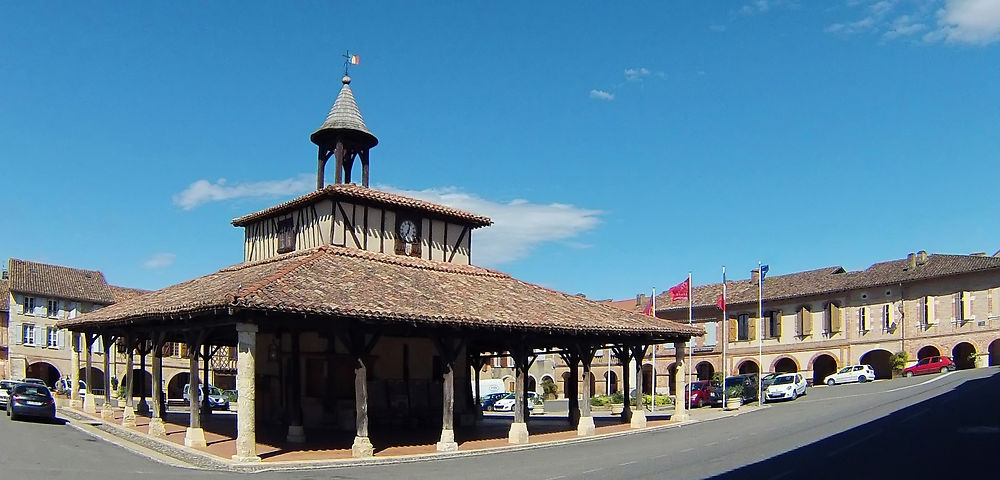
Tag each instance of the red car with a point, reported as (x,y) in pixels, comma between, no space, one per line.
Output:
(930,365)
(699,393)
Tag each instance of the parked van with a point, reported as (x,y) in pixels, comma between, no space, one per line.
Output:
(488,386)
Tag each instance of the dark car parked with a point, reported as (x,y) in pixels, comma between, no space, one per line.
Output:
(487,401)
(749,383)
(30,400)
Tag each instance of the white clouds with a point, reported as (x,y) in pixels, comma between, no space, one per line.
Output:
(636,74)
(159,260)
(519,225)
(975,22)
(763,6)
(202,191)
(602,95)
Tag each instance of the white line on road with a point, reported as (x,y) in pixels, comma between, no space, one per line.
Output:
(939,377)
(591,471)
(710,444)
(556,478)
(687,450)
(626,463)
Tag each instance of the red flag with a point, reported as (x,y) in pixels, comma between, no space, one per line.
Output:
(649,308)
(680,291)
(721,303)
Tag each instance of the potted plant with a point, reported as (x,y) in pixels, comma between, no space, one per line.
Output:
(897,363)
(539,408)
(734,397)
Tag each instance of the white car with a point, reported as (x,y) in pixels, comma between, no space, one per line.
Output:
(851,373)
(786,386)
(506,404)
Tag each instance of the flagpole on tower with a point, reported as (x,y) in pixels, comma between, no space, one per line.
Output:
(690,323)
(725,338)
(350,60)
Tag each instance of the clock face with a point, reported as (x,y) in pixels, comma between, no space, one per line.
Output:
(408,231)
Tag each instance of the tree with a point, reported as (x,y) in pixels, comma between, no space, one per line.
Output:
(898,362)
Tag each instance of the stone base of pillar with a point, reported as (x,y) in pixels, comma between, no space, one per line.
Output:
(107,412)
(195,437)
(362,447)
(296,434)
(680,417)
(242,459)
(638,420)
(518,434)
(157,428)
(89,406)
(74,403)
(447,443)
(142,408)
(586,427)
(128,417)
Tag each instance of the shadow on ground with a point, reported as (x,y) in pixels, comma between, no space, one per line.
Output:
(956,434)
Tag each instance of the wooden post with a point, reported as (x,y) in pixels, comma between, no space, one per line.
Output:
(322,156)
(338,157)
(359,346)
(624,359)
(638,419)
(680,413)
(128,416)
(519,428)
(585,427)
(206,404)
(142,408)
(89,402)
(246,408)
(156,425)
(296,432)
(74,378)
(448,350)
(107,412)
(195,435)
(364,167)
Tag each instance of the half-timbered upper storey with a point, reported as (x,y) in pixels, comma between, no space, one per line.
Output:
(353,216)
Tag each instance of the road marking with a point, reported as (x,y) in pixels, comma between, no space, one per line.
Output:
(626,463)
(732,438)
(939,377)
(556,478)
(665,454)
(710,444)
(591,471)
(853,444)
(687,450)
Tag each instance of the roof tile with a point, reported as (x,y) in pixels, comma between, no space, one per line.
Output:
(57,281)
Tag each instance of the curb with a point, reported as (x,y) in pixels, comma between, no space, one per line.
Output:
(172,454)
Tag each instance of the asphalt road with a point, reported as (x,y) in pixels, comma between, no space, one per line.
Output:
(922,427)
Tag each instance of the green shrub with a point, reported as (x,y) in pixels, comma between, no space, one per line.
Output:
(734,391)
(617,397)
(599,401)
(898,361)
(549,388)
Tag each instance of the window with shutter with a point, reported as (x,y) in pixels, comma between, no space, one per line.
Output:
(776,329)
(930,317)
(742,327)
(733,330)
(711,334)
(833,318)
(804,322)
(752,329)
(16,329)
(862,319)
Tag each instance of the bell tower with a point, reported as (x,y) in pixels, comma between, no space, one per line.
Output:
(345,137)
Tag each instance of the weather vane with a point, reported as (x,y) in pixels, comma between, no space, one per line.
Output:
(350,60)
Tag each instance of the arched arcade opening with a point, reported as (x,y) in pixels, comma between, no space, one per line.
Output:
(786,365)
(822,366)
(175,387)
(964,355)
(881,362)
(647,379)
(749,366)
(43,371)
(927,351)
(994,352)
(704,370)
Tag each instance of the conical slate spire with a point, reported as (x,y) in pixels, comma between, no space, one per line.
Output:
(345,120)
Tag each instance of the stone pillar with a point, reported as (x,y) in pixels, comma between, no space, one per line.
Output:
(296,432)
(195,435)
(478,367)
(89,402)
(362,446)
(156,425)
(107,412)
(572,394)
(206,357)
(447,443)
(638,419)
(246,384)
(680,413)
(74,378)
(128,416)
(519,428)
(586,426)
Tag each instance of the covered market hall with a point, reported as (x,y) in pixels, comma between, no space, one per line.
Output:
(355,306)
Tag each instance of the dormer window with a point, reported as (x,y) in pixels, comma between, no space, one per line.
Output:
(286,235)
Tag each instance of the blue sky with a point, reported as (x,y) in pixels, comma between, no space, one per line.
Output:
(617,147)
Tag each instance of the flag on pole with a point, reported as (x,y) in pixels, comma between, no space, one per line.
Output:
(763,272)
(680,291)
(721,303)
(649,308)
(355,59)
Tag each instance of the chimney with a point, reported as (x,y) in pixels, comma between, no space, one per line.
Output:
(921,257)
(754,276)
(912,260)
(640,300)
